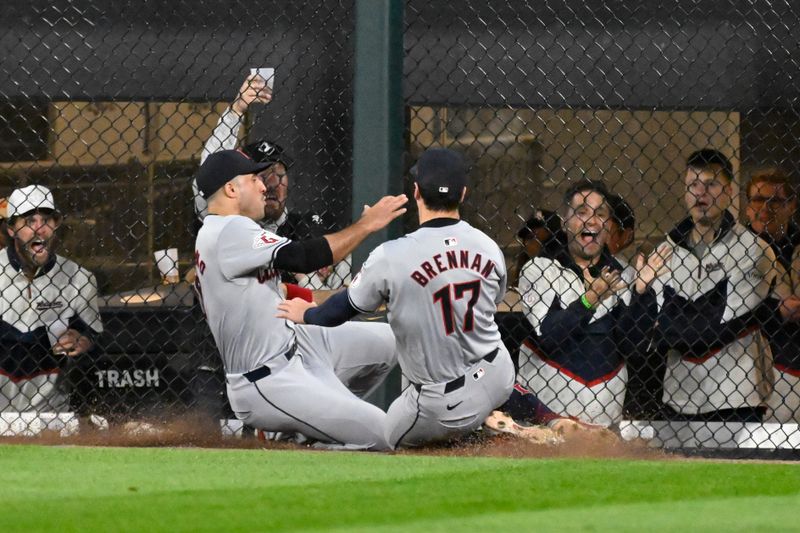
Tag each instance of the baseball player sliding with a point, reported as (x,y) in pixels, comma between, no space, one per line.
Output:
(280,377)
(441,285)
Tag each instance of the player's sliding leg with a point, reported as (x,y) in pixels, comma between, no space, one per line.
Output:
(362,353)
(295,399)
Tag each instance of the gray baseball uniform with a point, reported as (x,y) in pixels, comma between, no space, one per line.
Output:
(441,285)
(282,377)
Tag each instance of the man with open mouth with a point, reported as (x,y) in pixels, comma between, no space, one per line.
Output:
(572,373)
(48,306)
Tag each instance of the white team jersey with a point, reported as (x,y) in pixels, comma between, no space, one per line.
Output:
(33,314)
(784,402)
(66,291)
(240,291)
(732,376)
(441,286)
(592,388)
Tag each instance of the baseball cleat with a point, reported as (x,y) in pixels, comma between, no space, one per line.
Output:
(499,422)
(567,427)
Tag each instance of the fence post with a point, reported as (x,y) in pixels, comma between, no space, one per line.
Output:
(378,128)
(377,110)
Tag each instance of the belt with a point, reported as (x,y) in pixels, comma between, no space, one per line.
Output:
(264,371)
(457,383)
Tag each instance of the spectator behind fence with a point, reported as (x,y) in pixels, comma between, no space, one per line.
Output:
(771,206)
(540,235)
(621,225)
(572,365)
(328,278)
(712,303)
(48,304)
(277,217)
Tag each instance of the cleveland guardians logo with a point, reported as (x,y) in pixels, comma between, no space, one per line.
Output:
(264,239)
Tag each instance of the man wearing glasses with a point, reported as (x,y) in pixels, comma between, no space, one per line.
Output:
(771,206)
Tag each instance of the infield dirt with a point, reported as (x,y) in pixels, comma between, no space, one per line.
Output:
(191,433)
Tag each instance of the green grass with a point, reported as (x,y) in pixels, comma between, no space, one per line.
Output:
(157,489)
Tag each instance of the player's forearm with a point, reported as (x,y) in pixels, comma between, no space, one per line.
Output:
(336,310)
(345,241)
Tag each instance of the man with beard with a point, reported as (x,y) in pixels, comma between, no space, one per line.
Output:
(771,206)
(48,306)
(723,286)
(572,371)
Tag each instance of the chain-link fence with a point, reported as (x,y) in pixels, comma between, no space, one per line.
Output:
(673,106)
(544,95)
(111,107)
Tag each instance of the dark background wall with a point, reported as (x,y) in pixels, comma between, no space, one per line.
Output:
(198,51)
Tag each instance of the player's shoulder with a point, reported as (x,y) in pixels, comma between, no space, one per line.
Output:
(231,226)
(231,221)
(478,234)
(387,249)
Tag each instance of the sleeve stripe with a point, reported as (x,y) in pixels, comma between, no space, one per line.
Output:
(276,248)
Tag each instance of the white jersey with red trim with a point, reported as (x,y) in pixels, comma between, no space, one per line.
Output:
(571,363)
(728,280)
(33,314)
(598,401)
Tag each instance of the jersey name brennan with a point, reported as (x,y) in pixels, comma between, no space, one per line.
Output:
(463,259)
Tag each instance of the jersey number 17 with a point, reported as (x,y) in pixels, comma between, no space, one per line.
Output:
(457,291)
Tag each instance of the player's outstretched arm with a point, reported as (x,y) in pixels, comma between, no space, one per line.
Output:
(373,219)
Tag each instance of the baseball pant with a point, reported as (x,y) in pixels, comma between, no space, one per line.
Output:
(362,353)
(441,411)
(304,395)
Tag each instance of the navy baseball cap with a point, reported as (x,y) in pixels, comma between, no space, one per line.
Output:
(268,152)
(442,171)
(221,167)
